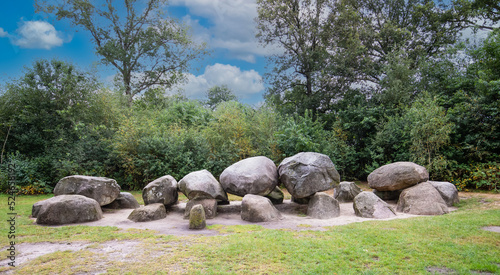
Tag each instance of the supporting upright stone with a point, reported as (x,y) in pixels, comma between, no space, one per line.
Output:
(197,217)
(209,206)
(346,191)
(323,206)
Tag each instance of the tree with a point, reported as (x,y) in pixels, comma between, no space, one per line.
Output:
(219,94)
(482,14)
(299,78)
(430,131)
(378,29)
(330,47)
(147,48)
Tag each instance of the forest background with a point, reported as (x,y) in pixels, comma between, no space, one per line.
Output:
(365,82)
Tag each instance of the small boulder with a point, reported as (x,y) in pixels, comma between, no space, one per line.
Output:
(66,209)
(448,191)
(307,173)
(209,206)
(203,185)
(397,176)
(197,217)
(124,201)
(162,190)
(388,195)
(276,196)
(422,199)
(346,191)
(150,212)
(256,208)
(103,190)
(323,206)
(368,205)
(256,175)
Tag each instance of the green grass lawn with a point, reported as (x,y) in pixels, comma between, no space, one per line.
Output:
(452,242)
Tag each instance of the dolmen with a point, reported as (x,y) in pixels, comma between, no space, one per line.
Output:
(202,188)
(409,184)
(77,199)
(157,195)
(305,175)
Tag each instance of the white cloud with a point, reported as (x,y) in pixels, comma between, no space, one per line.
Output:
(37,35)
(3,33)
(232,26)
(242,83)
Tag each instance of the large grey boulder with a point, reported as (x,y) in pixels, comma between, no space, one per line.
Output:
(162,190)
(202,185)
(124,201)
(209,207)
(256,208)
(422,199)
(448,191)
(397,176)
(276,196)
(65,209)
(323,206)
(256,175)
(368,205)
(346,191)
(197,217)
(103,190)
(307,173)
(150,212)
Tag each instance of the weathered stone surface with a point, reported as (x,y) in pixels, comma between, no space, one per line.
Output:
(197,217)
(346,191)
(124,201)
(209,206)
(323,206)
(276,196)
(65,209)
(397,176)
(422,199)
(388,195)
(448,191)
(162,190)
(256,208)
(307,173)
(203,185)
(256,175)
(368,205)
(103,190)
(150,212)
(36,208)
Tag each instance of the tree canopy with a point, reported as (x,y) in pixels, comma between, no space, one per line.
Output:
(147,47)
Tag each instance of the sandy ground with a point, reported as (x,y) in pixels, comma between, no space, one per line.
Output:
(294,217)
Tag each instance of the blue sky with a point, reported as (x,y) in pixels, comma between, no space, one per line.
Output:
(227,26)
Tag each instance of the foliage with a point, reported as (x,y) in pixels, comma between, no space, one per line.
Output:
(219,94)
(146,47)
(476,176)
(300,76)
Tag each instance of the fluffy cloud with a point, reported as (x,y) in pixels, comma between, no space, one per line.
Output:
(37,35)
(3,33)
(242,83)
(232,26)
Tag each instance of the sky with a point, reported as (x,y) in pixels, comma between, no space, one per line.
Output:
(227,26)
